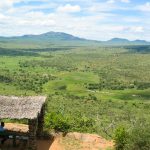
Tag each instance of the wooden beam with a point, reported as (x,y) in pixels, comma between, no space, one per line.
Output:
(41,122)
(32,143)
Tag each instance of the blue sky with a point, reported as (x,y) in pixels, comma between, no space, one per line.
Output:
(91,19)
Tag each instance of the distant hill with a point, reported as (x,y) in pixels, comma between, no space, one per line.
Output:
(60,36)
(50,39)
(117,41)
(120,41)
(49,36)
(46,40)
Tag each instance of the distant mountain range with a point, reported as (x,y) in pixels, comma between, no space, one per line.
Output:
(127,42)
(49,36)
(64,38)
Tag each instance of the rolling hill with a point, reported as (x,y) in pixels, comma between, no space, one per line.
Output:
(50,39)
(120,41)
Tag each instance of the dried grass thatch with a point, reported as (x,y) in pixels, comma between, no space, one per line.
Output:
(21,107)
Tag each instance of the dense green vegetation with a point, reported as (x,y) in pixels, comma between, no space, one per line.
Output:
(103,90)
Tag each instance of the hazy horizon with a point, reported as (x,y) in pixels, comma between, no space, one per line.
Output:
(75,36)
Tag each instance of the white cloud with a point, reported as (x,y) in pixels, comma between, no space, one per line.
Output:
(40,19)
(125,29)
(2,16)
(111,1)
(6,4)
(145,7)
(131,19)
(69,8)
(137,29)
(125,1)
(27,8)
(100,20)
(101,7)
(114,1)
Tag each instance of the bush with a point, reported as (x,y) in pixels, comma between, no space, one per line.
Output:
(57,122)
(84,124)
(139,137)
(63,87)
(120,138)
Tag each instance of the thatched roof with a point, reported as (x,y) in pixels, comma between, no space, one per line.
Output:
(20,107)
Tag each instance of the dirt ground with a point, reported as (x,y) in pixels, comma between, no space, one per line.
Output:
(80,141)
(71,141)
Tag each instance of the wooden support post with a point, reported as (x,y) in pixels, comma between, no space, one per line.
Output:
(41,122)
(14,140)
(32,144)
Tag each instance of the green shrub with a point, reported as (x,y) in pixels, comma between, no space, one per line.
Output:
(84,124)
(57,122)
(139,137)
(120,138)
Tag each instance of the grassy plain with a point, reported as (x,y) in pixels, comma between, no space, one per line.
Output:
(89,89)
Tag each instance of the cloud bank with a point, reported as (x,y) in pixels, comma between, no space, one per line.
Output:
(93,19)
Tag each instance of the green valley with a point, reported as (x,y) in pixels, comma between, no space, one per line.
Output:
(94,89)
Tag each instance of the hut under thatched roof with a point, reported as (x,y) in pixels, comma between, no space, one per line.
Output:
(31,108)
(20,107)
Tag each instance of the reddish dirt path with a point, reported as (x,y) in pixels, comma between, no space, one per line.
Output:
(56,145)
(79,141)
(71,141)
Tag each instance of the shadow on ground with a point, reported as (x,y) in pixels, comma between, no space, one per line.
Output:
(22,145)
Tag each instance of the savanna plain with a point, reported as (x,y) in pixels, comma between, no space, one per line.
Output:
(92,89)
